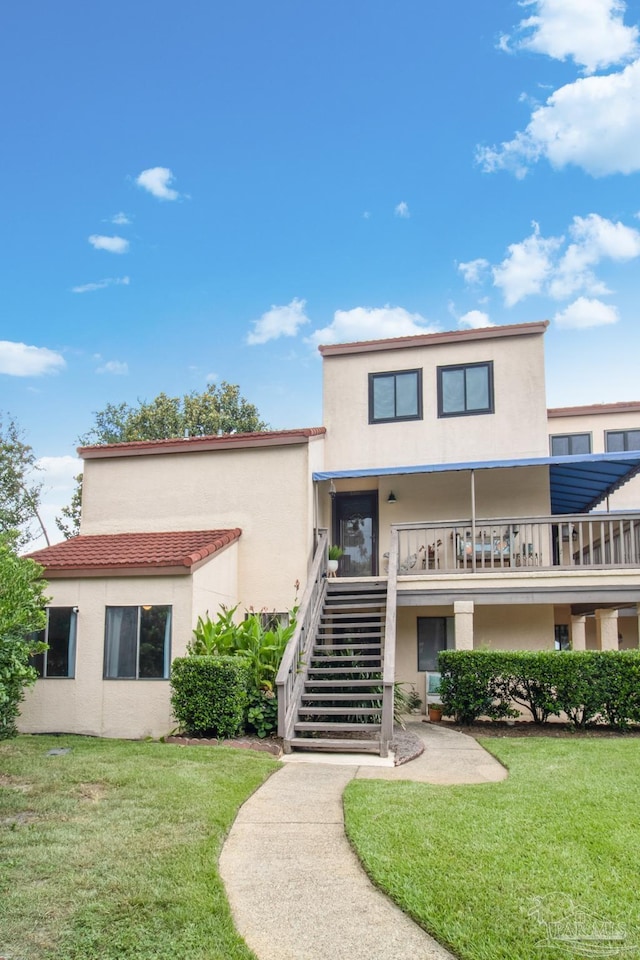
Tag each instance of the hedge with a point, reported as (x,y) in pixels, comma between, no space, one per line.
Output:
(209,694)
(588,686)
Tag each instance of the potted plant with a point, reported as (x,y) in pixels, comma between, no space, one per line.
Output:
(414,701)
(435,712)
(335,552)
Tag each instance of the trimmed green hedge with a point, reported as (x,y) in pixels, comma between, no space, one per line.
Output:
(589,686)
(209,694)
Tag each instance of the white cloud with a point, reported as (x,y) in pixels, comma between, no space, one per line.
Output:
(101,284)
(284,321)
(594,239)
(115,367)
(366,215)
(156,181)
(527,267)
(121,219)
(21,360)
(110,244)
(475,319)
(371,323)
(473,270)
(402,210)
(584,313)
(590,32)
(211,377)
(592,123)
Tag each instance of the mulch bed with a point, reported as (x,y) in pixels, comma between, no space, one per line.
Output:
(272,745)
(497,728)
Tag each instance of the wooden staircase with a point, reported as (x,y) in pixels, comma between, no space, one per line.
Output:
(340,706)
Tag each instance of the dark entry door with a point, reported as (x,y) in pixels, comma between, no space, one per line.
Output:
(355,529)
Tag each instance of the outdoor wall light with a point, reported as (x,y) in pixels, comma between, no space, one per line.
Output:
(332,490)
(392,497)
(147,606)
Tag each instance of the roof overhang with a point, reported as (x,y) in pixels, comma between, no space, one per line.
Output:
(577,484)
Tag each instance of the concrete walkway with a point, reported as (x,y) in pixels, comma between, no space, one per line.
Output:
(297,890)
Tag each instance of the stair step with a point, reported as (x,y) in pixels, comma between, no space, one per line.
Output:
(358,645)
(332,613)
(337,671)
(342,746)
(375,596)
(355,604)
(357,636)
(343,683)
(344,658)
(350,697)
(310,726)
(345,711)
(349,583)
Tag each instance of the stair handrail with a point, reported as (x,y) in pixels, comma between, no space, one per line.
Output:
(389,659)
(295,661)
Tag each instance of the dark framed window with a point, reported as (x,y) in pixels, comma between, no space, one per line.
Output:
(434,634)
(396,395)
(59,660)
(465,389)
(619,440)
(137,643)
(561,639)
(570,444)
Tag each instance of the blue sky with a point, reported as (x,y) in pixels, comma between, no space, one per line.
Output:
(208,191)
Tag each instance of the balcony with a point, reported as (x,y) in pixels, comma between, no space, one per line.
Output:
(510,545)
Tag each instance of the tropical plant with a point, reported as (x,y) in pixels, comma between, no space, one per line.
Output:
(335,552)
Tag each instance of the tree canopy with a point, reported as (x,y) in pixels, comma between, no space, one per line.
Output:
(19,491)
(218,409)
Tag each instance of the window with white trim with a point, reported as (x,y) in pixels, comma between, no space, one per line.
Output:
(59,659)
(395,395)
(137,644)
(465,389)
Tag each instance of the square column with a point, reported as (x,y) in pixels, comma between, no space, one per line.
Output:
(607,629)
(463,624)
(578,633)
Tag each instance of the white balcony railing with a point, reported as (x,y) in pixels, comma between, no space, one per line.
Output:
(602,540)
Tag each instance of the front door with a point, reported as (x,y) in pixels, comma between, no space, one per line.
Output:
(355,529)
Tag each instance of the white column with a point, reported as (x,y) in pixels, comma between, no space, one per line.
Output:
(463,620)
(578,633)
(607,629)
(638,613)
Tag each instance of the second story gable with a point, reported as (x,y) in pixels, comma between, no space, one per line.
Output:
(436,398)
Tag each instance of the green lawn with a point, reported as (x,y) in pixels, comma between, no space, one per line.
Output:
(473,864)
(111,850)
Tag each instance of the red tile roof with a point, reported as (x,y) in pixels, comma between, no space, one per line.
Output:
(227,441)
(431,339)
(177,551)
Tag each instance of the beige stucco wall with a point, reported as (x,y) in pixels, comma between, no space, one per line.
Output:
(516,429)
(131,709)
(266,491)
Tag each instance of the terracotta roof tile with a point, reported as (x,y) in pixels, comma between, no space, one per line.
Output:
(133,551)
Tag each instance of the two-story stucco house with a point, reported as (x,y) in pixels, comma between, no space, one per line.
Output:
(465,510)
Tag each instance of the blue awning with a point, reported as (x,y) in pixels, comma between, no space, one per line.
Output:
(577,484)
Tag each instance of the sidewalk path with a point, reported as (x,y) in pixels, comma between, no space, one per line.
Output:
(297,890)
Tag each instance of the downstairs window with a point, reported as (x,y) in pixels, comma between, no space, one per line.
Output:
(137,643)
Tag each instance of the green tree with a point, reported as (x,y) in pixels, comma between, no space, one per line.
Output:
(22,612)
(19,491)
(218,409)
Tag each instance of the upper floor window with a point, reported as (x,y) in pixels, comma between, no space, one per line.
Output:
(137,643)
(395,396)
(465,389)
(619,440)
(570,444)
(59,659)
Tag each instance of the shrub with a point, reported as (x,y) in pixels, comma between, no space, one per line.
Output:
(209,694)
(22,613)
(587,686)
